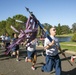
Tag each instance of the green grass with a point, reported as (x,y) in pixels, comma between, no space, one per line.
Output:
(68,45)
(73,43)
(70,48)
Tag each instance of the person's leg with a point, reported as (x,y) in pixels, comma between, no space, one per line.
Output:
(34,56)
(48,66)
(57,65)
(13,53)
(28,58)
(34,59)
(6,47)
(31,56)
(2,44)
(7,44)
(17,55)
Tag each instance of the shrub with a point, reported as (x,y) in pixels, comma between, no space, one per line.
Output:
(74,37)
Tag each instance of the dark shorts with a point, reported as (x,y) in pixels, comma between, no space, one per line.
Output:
(15,48)
(7,44)
(30,54)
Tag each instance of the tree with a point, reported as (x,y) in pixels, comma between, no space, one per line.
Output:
(21,18)
(2,27)
(17,25)
(9,22)
(65,29)
(47,26)
(74,27)
(58,29)
(5,25)
(74,37)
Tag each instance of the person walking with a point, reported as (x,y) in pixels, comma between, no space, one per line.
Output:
(7,42)
(15,49)
(31,53)
(3,40)
(52,58)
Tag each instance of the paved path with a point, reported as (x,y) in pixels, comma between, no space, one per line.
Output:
(9,66)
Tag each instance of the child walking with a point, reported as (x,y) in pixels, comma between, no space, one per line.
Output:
(15,49)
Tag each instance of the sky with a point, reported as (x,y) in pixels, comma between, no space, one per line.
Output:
(52,12)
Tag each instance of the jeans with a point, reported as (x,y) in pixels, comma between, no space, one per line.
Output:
(52,62)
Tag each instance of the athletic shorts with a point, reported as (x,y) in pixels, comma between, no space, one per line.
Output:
(30,54)
(15,48)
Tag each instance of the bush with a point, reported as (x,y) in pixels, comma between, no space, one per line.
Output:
(74,37)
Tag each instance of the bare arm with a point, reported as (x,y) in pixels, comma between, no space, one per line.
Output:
(49,45)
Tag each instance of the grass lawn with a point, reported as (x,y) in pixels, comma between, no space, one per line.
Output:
(71,46)
(68,45)
(73,43)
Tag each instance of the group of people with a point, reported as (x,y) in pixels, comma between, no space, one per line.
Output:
(6,41)
(52,59)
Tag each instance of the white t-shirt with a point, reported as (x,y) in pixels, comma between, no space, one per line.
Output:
(53,49)
(32,47)
(3,37)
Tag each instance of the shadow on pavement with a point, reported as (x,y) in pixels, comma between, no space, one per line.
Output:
(71,72)
(67,58)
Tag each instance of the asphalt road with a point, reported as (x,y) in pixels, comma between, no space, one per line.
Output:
(9,65)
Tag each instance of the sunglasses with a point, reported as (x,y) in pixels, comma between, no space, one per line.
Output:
(54,29)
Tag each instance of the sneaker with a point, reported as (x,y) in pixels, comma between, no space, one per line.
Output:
(33,68)
(17,59)
(72,59)
(42,70)
(26,59)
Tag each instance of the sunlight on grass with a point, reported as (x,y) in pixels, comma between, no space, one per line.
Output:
(73,43)
(70,48)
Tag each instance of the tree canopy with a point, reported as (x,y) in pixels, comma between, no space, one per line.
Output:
(5,26)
